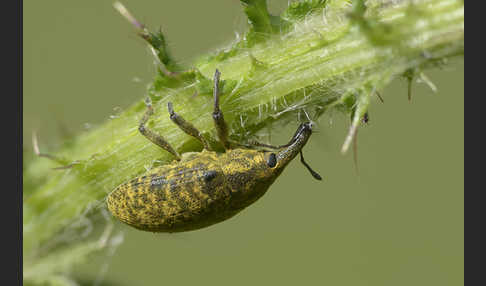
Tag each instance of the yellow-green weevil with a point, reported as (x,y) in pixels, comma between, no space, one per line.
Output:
(202,188)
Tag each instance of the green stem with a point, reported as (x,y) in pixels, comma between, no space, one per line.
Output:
(317,61)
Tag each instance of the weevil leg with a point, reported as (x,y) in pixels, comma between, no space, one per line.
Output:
(218,118)
(252,144)
(187,127)
(152,136)
(258,144)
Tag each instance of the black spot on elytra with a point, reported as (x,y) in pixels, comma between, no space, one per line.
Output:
(212,183)
(209,176)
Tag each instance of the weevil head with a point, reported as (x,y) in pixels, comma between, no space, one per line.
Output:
(278,160)
(267,165)
(249,173)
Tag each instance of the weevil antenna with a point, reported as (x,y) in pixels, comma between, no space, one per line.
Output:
(313,173)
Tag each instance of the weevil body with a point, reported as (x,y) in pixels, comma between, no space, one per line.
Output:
(204,188)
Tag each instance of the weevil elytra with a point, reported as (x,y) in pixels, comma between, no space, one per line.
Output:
(200,189)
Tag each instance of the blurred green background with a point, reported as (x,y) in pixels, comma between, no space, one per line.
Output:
(399,222)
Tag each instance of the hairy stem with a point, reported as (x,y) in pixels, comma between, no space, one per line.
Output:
(318,55)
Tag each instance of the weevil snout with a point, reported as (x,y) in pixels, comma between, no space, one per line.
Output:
(303,133)
(288,151)
(301,136)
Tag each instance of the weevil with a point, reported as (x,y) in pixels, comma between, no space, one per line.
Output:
(200,189)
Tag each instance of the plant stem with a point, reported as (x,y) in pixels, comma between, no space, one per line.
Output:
(334,57)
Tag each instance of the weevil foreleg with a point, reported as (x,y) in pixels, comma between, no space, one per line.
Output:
(218,118)
(254,143)
(187,127)
(152,136)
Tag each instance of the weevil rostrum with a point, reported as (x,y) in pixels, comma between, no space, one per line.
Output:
(200,189)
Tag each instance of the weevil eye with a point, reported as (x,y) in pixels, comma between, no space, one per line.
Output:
(272,160)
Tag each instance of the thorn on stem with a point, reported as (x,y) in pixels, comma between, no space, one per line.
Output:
(160,64)
(35,145)
(69,166)
(359,114)
(379,96)
(351,133)
(156,41)
(409,91)
(355,152)
(427,81)
(410,75)
(125,13)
